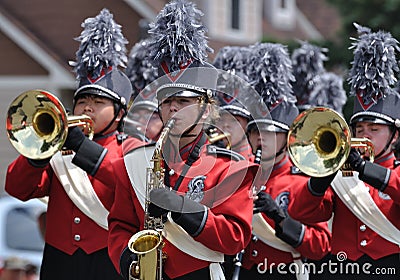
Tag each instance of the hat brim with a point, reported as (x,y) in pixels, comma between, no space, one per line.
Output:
(268,125)
(181,90)
(236,111)
(98,91)
(147,105)
(371,117)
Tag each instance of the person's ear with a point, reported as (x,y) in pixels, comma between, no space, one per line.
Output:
(120,115)
(206,113)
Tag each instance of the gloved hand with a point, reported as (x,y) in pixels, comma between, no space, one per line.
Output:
(126,260)
(355,160)
(290,231)
(287,229)
(89,154)
(319,185)
(74,139)
(267,205)
(189,214)
(373,174)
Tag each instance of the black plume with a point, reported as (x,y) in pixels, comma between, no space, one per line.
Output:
(232,59)
(178,35)
(308,61)
(102,45)
(270,72)
(328,92)
(374,67)
(140,70)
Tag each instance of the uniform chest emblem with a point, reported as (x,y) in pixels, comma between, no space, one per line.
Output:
(196,188)
(283,200)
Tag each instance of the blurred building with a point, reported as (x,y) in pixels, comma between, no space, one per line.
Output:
(37,37)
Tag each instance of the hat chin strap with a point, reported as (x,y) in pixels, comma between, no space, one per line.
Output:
(388,143)
(111,122)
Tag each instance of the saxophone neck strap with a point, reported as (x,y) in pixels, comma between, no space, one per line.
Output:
(193,156)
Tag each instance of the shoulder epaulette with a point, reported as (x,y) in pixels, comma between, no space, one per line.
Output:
(294,170)
(218,151)
(121,137)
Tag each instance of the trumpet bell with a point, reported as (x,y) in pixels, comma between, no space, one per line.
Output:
(319,141)
(37,124)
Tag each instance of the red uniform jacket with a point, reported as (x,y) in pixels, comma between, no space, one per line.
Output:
(67,227)
(246,151)
(228,225)
(349,234)
(316,240)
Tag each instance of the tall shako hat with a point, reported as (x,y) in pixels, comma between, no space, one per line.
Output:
(308,62)
(179,49)
(328,92)
(232,59)
(102,49)
(141,73)
(232,83)
(372,78)
(270,73)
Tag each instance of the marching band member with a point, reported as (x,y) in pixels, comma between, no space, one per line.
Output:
(231,87)
(308,64)
(278,239)
(203,183)
(327,92)
(361,239)
(143,117)
(78,203)
(233,92)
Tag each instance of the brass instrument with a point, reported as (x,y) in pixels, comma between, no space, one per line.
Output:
(319,142)
(147,244)
(37,124)
(214,135)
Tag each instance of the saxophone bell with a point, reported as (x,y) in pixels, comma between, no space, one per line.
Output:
(147,245)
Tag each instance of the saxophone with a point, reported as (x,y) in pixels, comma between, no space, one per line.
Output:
(147,244)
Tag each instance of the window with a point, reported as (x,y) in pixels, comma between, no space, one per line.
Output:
(281,13)
(235,15)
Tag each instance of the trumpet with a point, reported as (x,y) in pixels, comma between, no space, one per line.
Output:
(319,142)
(37,124)
(214,136)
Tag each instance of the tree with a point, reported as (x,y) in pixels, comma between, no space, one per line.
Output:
(375,14)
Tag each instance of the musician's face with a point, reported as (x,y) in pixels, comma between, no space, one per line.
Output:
(272,143)
(254,139)
(99,109)
(185,111)
(148,122)
(379,134)
(235,126)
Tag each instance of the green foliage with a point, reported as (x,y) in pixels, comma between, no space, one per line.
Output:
(376,14)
